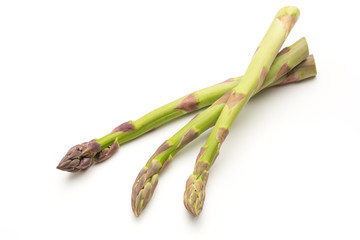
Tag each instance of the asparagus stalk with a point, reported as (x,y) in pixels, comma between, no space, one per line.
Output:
(83,156)
(252,81)
(147,178)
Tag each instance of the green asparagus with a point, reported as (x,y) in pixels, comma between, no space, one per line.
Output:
(252,81)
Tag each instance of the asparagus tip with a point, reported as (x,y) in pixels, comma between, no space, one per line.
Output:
(194,195)
(80,157)
(144,186)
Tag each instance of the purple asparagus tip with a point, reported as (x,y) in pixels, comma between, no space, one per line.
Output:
(80,157)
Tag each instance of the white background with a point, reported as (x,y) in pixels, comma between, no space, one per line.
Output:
(71,71)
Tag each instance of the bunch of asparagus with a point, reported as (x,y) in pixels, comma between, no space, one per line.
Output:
(224,101)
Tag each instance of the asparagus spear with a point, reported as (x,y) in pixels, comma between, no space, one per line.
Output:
(82,156)
(147,178)
(252,81)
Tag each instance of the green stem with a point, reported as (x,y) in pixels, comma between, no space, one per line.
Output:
(252,82)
